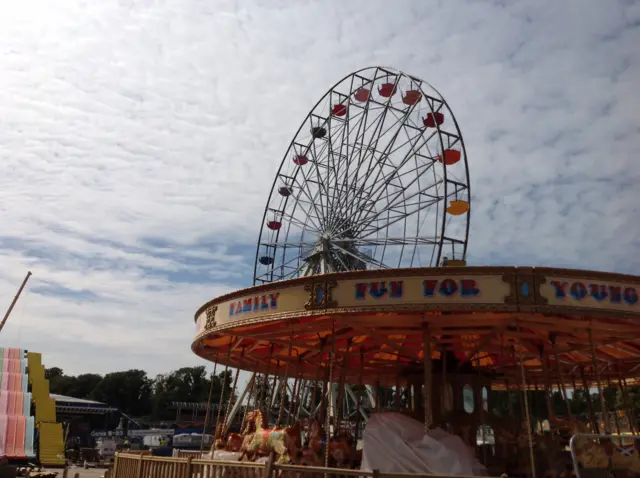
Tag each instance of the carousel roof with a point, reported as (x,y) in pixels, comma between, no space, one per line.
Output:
(559,324)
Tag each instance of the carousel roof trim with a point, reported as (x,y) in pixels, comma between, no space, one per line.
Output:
(489,318)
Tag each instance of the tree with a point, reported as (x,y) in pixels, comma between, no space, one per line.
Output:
(83,385)
(188,384)
(59,383)
(129,391)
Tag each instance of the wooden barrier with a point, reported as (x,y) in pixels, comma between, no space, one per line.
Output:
(177,453)
(128,465)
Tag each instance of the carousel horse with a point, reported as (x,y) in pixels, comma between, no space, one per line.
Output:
(231,442)
(341,452)
(312,452)
(285,443)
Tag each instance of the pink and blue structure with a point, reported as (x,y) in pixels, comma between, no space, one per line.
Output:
(16,422)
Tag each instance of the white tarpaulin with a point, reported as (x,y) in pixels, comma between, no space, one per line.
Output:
(395,443)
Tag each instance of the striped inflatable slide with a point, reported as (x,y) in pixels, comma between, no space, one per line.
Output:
(16,422)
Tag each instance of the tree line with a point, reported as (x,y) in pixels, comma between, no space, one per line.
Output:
(136,394)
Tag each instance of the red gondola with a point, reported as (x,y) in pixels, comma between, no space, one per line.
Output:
(412,97)
(300,160)
(362,95)
(387,90)
(432,119)
(274,225)
(451,156)
(339,110)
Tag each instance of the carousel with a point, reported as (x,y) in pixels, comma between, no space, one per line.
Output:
(371,344)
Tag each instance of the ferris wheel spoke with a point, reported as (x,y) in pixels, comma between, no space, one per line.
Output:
(331,153)
(406,158)
(363,215)
(401,216)
(302,225)
(365,151)
(371,170)
(347,157)
(288,244)
(394,168)
(306,189)
(396,241)
(306,209)
(362,257)
(376,194)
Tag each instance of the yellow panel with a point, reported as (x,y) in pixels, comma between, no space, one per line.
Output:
(51,444)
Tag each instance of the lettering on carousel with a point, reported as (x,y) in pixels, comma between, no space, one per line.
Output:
(599,292)
(259,303)
(393,289)
(465,288)
(449,287)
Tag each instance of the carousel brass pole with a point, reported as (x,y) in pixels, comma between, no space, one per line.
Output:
(283,393)
(427,395)
(275,391)
(563,391)
(574,398)
(603,405)
(592,417)
(482,415)
(294,394)
(535,405)
(322,416)
(526,408)
(253,392)
(224,383)
(615,414)
(446,396)
(300,396)
(515,359)
(396,392)
(314,397)
(340,399)
(509,401)
(627,401)
(225,425)
(328,417)
(206,416)
(360,393)
(265,382)
(548,386)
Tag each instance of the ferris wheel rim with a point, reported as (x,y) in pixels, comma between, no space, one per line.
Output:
(441,216)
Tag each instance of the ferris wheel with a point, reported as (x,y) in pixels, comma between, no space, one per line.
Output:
(376,177)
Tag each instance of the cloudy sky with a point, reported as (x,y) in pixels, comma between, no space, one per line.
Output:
(136,137)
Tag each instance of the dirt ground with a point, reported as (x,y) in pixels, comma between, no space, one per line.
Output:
(82,473)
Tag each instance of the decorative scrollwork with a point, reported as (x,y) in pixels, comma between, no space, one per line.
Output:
(320,295)
(211,317)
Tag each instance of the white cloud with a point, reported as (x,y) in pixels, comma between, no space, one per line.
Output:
(138,140)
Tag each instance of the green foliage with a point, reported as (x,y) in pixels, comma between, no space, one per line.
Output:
(134,393)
